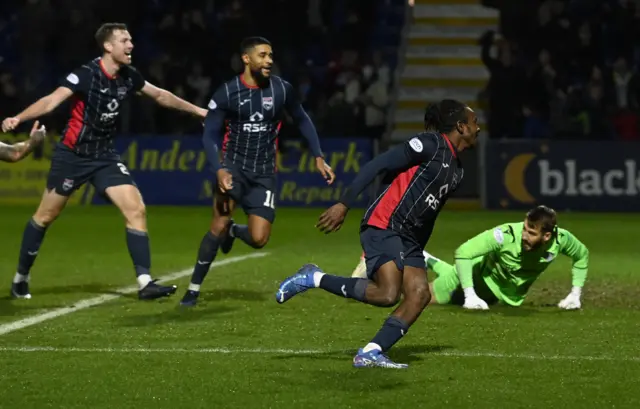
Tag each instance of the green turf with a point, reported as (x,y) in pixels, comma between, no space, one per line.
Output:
(240,349)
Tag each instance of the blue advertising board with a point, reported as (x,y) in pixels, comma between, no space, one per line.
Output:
(173,170)
(566,175)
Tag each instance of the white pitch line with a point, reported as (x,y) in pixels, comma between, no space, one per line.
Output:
(168,350)
(284,351)
(90,302)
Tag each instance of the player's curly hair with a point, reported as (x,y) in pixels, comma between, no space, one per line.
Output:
(444,116)
(248,43)
(545,217)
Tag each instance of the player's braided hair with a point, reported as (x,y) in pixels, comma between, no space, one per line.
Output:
(444,116)
(105,32)
(545,217)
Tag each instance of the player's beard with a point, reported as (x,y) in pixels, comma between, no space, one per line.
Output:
(261,80)
(532,246)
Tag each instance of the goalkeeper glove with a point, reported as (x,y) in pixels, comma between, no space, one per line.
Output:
(572,301)
(472,301)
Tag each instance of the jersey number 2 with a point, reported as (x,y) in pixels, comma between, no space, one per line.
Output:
(270,200)
(123,169)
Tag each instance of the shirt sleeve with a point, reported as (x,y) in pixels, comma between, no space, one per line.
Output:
(78,80)
(302,120)
(480,245)
(137,79)
(214,126)
(402,157)
(578,252)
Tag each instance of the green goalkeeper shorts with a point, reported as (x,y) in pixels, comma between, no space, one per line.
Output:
(447,288)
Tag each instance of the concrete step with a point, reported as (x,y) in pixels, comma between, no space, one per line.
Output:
(478,83)
(446,71)
(447,41)
(460,21)
(419,98)
(413,119)
(443,2)
(437,93)
(454,10)
(444,61)
(443,31)
(443,51)
(422,104)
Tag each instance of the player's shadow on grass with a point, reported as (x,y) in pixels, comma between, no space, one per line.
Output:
(89,288)
(532,309)
(222,294)
(496,310)
(400,353)
(178,314)
(10,307)
(515,311)
(348,380)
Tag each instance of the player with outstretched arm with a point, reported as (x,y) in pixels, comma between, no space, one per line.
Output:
(86,153)
(18,151)
(420,175)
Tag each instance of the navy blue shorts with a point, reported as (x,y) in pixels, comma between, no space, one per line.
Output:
(255,192)
(381,246)
(70,171)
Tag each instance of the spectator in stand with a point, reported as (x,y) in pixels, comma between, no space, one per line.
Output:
(580,62)
(504,88)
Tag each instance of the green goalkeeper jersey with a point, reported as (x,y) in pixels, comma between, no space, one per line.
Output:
(509,271)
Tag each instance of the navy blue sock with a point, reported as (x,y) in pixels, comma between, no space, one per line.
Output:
(392,330)
(241,231)
(31,241)
(139,250)
(345,286)
(206,254)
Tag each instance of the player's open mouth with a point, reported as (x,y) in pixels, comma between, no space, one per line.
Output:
(128,54)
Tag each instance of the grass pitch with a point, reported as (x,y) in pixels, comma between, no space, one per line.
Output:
(240,349)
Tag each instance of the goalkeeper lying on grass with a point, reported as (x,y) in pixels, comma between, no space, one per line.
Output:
(501,264)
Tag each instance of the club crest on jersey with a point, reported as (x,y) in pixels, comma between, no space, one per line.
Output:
(267,103)
(122,92)
(67,185)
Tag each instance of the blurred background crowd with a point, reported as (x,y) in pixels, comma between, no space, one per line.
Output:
(564,69)
(559,68)
(334,52)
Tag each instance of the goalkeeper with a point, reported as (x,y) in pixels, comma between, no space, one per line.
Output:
(501,264)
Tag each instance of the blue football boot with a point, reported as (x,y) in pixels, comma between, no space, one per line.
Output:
(297,283)
(375,358)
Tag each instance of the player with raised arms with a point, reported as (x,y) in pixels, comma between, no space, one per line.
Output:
(252,105)
(18,151)
(86,153)
(420,175)
(499,265)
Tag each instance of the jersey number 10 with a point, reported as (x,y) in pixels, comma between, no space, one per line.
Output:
(270,200)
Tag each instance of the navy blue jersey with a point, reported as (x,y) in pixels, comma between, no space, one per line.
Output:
(95,106)
(420,175)
(252,117)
